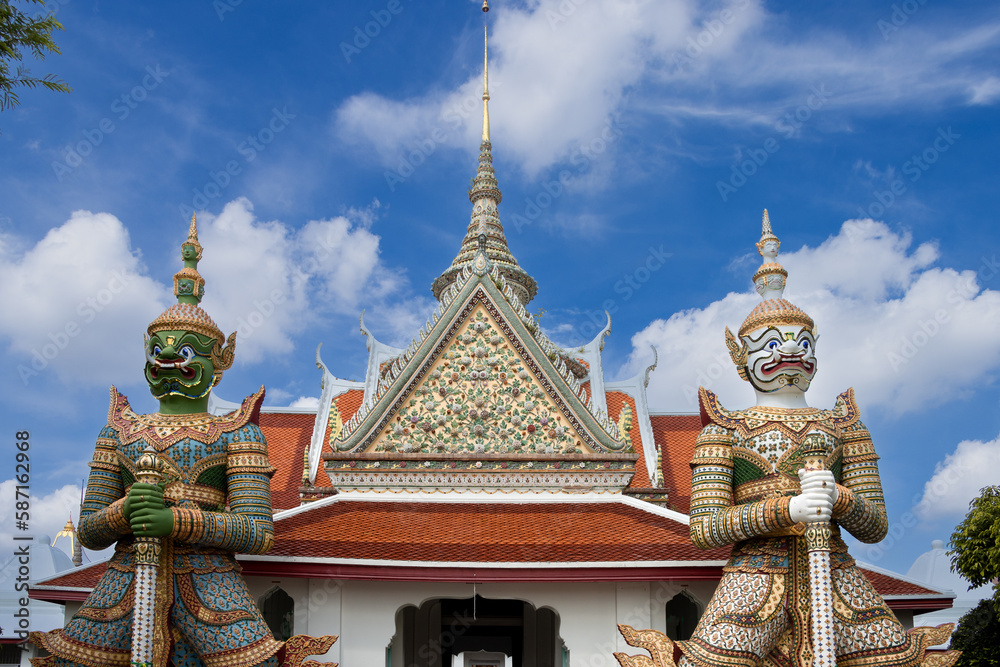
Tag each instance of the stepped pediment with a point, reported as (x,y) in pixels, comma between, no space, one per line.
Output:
(482,400)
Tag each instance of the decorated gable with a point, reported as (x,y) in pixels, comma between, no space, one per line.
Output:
(482,396)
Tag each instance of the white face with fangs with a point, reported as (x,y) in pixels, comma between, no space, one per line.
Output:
(781,359)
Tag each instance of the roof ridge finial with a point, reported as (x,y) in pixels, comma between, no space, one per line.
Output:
(486,78)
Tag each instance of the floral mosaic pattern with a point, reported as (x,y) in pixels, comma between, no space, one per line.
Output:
(480,397)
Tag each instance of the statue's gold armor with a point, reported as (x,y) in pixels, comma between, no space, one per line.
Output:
(217,481)
(744,476)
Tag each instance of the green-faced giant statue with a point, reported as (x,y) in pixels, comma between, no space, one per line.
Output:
(173,580)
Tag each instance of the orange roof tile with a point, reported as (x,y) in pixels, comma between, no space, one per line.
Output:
(86,576)
(886,584)
(287,437)
(347,404)
(674,435)
(530,533)
(615,400)
(519,532)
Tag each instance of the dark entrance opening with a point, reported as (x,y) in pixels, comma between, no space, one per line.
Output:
(278,610)
(682,616)
(433,633)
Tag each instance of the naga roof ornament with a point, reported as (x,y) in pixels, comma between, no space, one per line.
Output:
(485,197)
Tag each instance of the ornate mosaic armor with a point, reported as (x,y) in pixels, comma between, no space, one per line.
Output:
(744,476)
(211,463)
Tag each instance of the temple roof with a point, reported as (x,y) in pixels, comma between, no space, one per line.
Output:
(473,529)
(349,538)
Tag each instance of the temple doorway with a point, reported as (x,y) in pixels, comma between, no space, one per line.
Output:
(506,633)
(682,616)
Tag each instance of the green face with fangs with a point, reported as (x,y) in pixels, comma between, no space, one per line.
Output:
(179,363)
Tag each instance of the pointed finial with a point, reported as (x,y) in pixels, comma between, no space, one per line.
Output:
(486,78)
(485,197)
(69,532)
(770,277)
(766,234)
(305,466)
(192,238)
(189,286)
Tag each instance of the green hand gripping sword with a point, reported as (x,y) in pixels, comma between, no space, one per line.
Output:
(149,470)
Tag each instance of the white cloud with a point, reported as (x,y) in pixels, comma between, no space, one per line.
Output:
(83,297)
(986,92)
(269,281)
(81,290)
(592,53)
(48,515)
(958,479)
(561,72)
(310,402)
(903,333)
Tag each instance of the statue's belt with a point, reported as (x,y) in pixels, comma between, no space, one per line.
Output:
(797,530)
(771,486)
(202,494)
(199,493)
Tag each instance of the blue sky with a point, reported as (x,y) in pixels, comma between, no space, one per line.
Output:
(327,148)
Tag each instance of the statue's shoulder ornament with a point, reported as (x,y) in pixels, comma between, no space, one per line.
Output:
(162,431)
(845,413)
(795,422)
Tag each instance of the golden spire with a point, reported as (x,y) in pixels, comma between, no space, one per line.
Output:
(486,80)
(69,532)
(485,197)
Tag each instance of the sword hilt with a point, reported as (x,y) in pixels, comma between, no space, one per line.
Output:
(149,470)
(814,453)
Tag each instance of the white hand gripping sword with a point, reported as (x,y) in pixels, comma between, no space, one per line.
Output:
(818,536)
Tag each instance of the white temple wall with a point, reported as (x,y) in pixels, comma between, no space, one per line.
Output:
(587,614)
(363,613)
(317,605)
(369,619)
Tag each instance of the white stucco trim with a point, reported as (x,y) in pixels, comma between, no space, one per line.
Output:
(591,353)
(469,497)
(378,353)
(636,388)
(67,589)
(505,565)
(915,596)
(330,388)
